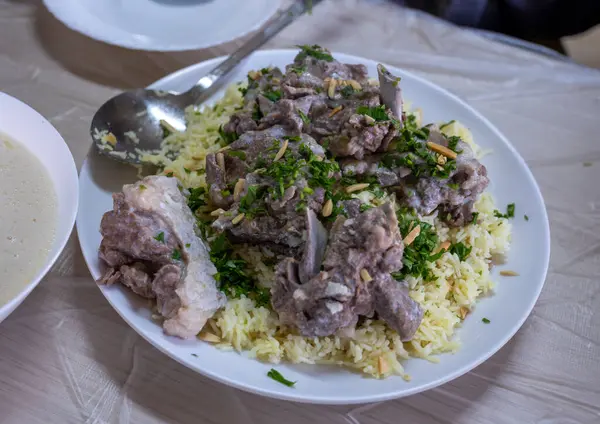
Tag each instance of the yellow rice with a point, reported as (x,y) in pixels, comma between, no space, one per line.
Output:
(374,349)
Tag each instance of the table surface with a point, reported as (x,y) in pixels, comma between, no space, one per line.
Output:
(67,357)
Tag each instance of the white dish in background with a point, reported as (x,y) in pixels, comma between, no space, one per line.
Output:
(163,25)
(511,181)
(29,130)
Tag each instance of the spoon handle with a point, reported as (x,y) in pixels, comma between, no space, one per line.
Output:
(209,83)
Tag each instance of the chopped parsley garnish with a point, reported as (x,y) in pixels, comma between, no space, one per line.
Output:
(422,133)
(252,203)
(378,113)
(347,91)
(256,113)
(187,171)
(453,143)
(143,187)
(176,255)
(418,255)
(298,69)
(453,186)
(273,95)
(165,132)
(304,118)
(510,212)
(228,137)
(526,218)
(486,321)
(276,375)
(475,217)
(240,154)
(447,124)
(188,245)
(225,193)
(169,174)
(365,207)
(194,355)
(315,51)
(197,198)
(160,237)
(232,273)
(461,250)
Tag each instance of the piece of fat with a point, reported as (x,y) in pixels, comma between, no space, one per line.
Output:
(200,298)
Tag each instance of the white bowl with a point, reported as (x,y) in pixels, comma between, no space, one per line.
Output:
(507,309)
(24,125)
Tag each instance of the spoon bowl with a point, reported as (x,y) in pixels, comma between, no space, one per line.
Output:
(136,122)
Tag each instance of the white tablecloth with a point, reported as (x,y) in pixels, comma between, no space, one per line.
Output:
(67,357)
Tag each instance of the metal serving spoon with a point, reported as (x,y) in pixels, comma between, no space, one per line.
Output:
(133,121)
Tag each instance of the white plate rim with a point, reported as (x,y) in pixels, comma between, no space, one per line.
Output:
(156,46)
(403,392)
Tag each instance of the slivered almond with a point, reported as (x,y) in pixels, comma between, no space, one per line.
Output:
(442,150)
(239,187)
(463,312)
(440,168)
(382,365)
(336,110)
(254,75)
(281,151)
(331,89)
(509,274)
(441,159)
(444,246)
(327,208)
(354,84)
(221,161)
(369,119)
(414,233)
(110,139)
(222,149)
(217,212)
(365,276)
(356,187)
(275,80)
(238,219)
(168,126)
(197,157)
(209,337)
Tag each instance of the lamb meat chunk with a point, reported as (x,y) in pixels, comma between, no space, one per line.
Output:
(152,228)
(219,179)
(365,241)
(263,87)
(313,60)
(456,195)
(164,285)
(240,123)
(263,229)
(394,305)
(317,308)
(334,298)
(136,277)
(372,166)
(290,114)
(391,93)
(360,136)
